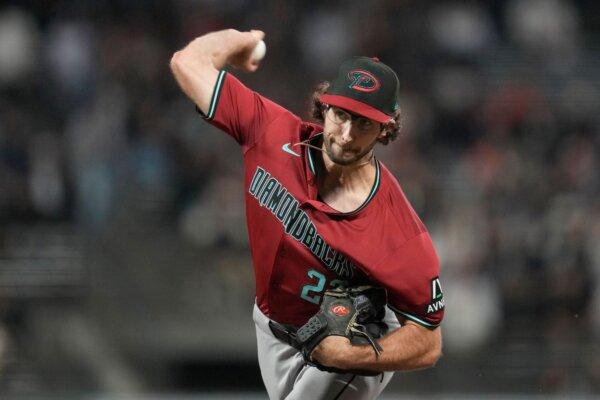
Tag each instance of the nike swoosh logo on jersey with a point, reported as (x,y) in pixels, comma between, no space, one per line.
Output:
(286,148)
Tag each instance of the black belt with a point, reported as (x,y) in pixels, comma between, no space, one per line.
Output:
(285,333)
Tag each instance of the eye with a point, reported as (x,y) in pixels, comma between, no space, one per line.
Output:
(340,114)
(364,123)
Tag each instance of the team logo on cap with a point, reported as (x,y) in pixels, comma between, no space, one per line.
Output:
(363,81)
(340,310)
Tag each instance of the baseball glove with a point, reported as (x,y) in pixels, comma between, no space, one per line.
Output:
(354,312)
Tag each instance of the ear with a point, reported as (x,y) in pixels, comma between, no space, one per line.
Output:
(385,129)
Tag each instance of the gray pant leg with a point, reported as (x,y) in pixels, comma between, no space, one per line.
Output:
(286,376)
(279,362)
(315,384)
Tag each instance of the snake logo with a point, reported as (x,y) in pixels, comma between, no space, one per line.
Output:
(340,310)
(363,81)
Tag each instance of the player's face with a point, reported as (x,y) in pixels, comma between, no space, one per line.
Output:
(348,138)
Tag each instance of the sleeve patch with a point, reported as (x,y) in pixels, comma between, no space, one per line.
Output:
(437,297)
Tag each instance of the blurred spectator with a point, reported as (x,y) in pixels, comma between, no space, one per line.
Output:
(324,52)
(19,53)
(69,51)
(95,138)
(547,27)
(461,28)
(46,179)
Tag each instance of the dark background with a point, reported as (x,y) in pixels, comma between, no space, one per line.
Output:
(124,266)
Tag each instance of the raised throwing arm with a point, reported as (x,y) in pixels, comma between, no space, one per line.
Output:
(197,66)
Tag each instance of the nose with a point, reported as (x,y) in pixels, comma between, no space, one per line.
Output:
(347,135)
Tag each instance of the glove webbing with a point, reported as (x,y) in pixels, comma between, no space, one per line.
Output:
(317,325)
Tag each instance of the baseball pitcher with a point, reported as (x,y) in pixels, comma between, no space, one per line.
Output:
(347,278)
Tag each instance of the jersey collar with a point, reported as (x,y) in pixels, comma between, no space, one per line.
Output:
(324,207)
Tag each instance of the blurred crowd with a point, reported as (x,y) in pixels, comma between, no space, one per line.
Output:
(499,152)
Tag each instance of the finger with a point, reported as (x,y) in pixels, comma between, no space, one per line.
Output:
(259,35)
(313,353)
(252,38)
(252,67)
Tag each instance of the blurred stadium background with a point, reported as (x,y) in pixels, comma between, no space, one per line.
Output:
(124,269)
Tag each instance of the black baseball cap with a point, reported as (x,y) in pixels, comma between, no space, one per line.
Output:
(365,86)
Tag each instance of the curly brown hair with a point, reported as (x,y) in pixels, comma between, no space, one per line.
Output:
(317,109)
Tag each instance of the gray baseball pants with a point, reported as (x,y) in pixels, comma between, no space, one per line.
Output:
(287,376)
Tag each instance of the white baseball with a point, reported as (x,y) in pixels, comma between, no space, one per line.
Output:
(259,51)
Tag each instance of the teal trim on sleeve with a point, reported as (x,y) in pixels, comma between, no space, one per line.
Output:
(214,101)
(414,319)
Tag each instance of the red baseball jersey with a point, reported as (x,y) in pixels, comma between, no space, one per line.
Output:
(301,246)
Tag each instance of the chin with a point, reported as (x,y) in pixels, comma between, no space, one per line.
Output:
(341,160)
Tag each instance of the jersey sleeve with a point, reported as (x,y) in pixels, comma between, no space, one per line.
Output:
(239,111)
(411,277)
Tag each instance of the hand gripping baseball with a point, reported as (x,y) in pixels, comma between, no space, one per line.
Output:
(353,312)
(251,53)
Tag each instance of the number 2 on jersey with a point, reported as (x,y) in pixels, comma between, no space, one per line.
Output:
(316,288)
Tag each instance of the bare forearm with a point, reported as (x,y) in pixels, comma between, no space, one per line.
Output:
(405,349)
(216,48)
(408,348)
(197,66)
